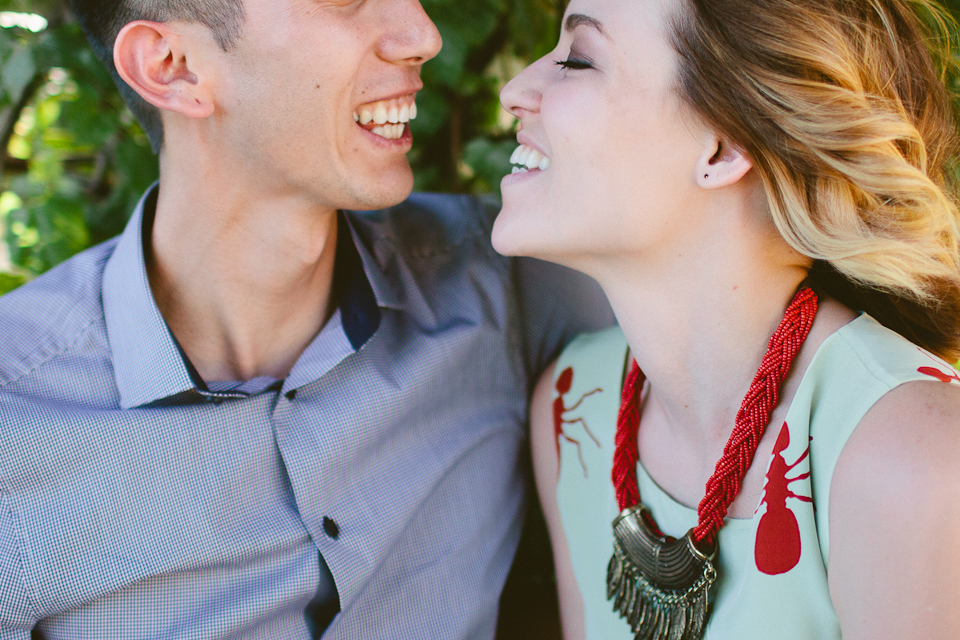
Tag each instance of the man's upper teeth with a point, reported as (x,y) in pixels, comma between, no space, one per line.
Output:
(386,111)
(530,158)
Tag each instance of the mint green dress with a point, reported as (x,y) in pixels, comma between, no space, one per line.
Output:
(772,567)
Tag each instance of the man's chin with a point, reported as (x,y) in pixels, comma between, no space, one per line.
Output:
(384,192)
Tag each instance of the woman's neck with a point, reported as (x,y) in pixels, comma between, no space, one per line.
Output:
(699,325)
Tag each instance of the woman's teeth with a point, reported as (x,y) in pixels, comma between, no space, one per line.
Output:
(528,159)
(389,117)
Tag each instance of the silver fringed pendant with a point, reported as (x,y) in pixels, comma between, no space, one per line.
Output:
(658,583)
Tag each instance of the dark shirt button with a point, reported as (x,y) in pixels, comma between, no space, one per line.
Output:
(291,394)
(331,528)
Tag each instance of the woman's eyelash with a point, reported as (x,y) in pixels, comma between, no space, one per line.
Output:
(574,63)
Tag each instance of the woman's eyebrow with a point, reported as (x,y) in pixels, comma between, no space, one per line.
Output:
(574,20)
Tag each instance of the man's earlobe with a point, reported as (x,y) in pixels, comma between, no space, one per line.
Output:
(150,57)
(721,164)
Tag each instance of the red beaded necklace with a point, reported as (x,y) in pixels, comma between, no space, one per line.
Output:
(658,583)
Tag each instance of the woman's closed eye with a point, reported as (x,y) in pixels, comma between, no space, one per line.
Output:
(572,63)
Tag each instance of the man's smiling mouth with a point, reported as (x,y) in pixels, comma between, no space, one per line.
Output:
(387,118)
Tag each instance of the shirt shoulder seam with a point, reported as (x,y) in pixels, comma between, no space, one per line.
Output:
(470,236)
(446,249)
(5,381)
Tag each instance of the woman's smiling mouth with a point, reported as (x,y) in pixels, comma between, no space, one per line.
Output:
(526,158)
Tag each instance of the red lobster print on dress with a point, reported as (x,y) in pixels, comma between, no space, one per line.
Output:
(777,547)
(953,376)
(564,382)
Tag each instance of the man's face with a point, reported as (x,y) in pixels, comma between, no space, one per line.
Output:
(292,88)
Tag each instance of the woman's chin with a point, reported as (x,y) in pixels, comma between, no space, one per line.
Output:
(509,237)
(532,233)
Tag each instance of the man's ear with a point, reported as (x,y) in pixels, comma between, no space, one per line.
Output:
(151,58)
(721,164)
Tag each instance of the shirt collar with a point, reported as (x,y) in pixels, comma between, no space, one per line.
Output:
(361,290)
(148,362)
(385,294)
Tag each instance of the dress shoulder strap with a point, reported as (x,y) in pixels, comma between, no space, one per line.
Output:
(856,367)
(588,378)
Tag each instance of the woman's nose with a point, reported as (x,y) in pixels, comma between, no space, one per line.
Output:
(522,95)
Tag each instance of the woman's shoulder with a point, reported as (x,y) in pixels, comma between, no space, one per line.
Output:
(576,400)
(853,370)
(586,377)
(878,406)
(865,373)
(916,416)
(892,504)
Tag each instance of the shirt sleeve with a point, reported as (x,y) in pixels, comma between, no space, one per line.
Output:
(16,613)
(556,304)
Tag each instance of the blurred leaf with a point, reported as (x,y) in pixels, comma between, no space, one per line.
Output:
(489,161)
(85,161)
(433,112)
(18,71)
(10,281)
(447,67)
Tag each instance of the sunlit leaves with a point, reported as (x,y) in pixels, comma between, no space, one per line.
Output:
(76,162)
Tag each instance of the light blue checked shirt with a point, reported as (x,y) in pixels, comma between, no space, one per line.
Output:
(380,478)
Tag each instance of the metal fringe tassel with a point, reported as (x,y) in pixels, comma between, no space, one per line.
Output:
(657,582)
(655,612)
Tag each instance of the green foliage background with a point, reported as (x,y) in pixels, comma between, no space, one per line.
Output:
(76,162)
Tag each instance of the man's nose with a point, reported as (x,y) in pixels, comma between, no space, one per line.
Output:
(411,35)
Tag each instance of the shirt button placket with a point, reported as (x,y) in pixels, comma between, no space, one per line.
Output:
(281,417)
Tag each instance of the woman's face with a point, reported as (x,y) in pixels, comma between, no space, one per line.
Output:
(621,146)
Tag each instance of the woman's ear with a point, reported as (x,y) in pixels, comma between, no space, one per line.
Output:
(721,164)
(151,57)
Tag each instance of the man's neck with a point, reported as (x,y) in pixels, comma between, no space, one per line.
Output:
(244,283)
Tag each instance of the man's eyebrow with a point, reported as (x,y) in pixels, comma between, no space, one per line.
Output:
(574,20)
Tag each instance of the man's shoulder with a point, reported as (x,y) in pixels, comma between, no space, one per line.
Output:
(49,314)
(430,224)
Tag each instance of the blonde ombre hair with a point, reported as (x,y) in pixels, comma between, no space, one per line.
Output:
(842,107)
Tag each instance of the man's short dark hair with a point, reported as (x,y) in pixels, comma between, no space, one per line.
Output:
(102,20)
